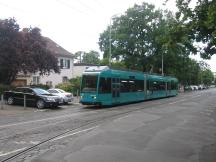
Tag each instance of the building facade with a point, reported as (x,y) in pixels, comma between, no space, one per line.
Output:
(65,62)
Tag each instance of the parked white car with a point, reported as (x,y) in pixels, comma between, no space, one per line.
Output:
(66,96)
(194,87)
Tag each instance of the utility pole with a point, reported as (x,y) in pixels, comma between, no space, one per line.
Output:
(110,39)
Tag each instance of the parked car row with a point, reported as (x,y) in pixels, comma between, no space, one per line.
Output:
(66,96)
(38,97)
(195,87)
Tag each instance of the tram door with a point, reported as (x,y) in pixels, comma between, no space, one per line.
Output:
(115,90)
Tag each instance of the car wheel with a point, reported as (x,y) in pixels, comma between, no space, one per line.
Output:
(40,104)
(10,101)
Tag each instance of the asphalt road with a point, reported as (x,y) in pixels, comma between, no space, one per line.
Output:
(176,129)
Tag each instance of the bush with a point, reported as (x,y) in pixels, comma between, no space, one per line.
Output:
(65,86)
(5,88)
(72,86)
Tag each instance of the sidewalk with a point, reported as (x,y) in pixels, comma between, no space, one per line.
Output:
(6,109)
(76,100)
(15,109)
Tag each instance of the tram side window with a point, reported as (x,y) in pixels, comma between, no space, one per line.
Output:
(132,87)
(168,85)
(149,85)
(124,85)
(156,85)
(105,85)
(139,85)
(162,85)
(173,85)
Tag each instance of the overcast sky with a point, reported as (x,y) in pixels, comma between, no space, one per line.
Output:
(73,24)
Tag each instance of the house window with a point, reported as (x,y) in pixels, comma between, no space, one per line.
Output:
(49,83)
(35,80)
(65,63)
(64,79)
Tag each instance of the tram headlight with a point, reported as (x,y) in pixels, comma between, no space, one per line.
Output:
(94,97)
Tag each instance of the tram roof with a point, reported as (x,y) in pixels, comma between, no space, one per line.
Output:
(98,69)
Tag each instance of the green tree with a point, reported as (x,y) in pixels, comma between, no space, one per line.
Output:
(207,77)
(23,51)
(75,84)
(78,56)
(133,36)
(91,57)
(72,86)
(142,35)
(201,22)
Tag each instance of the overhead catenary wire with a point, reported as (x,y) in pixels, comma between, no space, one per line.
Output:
(93,12)
(86,6)
(71,7)
(12,8)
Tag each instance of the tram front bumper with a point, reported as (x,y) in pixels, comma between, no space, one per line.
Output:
(89,100)
(90,103)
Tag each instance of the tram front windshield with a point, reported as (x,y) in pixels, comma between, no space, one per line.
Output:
(89,83)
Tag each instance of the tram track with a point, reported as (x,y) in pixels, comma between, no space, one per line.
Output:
(92,122)
(86,110)
(89,109)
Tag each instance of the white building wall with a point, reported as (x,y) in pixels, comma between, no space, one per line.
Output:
(56,78)
(78,70)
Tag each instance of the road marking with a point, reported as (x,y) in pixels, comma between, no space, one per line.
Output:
(196,96)
(177,101)
(11,152)
(71,134)
(34,142)
(24,142)
(21,142)
(184,99)
(118,119)
(55,139)
(35,121)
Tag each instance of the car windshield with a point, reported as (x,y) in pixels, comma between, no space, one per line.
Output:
(40,91)
(89,83)
(52,91)
(62,91)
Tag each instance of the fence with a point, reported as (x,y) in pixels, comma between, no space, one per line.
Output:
(3,102)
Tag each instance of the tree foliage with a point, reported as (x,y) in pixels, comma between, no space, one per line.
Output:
(207,77)
(143,35)
(200,20)
(72,86)
(91,57)
(133,36)
(23,51)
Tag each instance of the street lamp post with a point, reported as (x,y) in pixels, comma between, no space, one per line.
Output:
(110,38)
(162,65)
(162,61)
(110,42)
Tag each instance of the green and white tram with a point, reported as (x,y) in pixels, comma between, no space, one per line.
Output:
(104,86)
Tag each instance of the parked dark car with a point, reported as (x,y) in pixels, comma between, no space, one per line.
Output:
(34,97)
